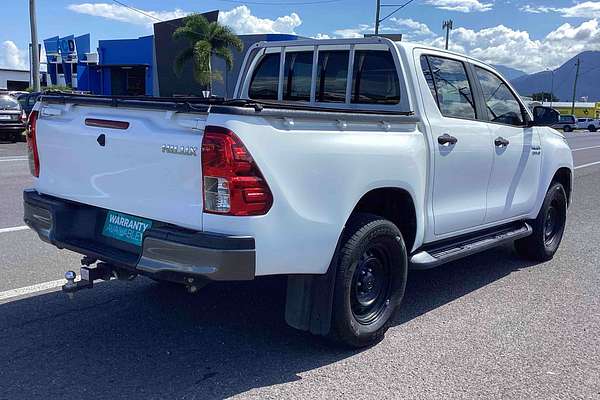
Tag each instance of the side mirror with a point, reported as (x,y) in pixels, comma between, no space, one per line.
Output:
(545,116)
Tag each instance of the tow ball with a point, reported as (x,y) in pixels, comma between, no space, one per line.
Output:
(101,271)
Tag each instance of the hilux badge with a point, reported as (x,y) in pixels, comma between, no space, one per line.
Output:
(181,150)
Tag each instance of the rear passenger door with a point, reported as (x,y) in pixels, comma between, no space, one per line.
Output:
(517,151)
(462,153)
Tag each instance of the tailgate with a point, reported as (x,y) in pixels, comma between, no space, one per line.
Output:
(135,161)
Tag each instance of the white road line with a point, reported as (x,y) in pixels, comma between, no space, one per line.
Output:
(14,229)
(586,148)
(588,165)
(9,294)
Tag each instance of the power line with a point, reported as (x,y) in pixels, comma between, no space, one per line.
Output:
(396,10)
(137,10)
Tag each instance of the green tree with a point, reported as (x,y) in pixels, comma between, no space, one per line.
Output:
(205,39)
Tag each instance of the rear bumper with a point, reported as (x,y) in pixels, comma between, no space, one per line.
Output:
(167,252)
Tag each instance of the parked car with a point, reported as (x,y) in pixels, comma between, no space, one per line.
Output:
(567,123)
(12,119)
(589,124)
(388,157)
(27,101)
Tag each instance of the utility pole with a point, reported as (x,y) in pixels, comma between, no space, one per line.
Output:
(377,17)
(448,26)
(35,51)
(575,86)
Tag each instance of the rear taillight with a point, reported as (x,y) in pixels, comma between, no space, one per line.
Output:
(32,150)
(232,182)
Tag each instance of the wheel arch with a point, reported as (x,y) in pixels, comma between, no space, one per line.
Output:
(394,204)
(564,176)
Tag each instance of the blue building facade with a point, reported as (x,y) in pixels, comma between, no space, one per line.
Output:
(125,67)
(67,60)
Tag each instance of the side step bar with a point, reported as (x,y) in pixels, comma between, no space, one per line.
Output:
(435,256)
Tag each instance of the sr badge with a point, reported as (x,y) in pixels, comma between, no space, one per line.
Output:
(181,150)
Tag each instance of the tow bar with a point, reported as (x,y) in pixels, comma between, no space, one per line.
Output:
(101,271)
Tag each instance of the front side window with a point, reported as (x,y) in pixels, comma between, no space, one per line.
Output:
(332,76)
(375,78)
(265,79)
(502,105)
(298,76)
(449,84)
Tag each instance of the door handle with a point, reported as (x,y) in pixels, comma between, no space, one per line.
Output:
(446,139)
(501,142)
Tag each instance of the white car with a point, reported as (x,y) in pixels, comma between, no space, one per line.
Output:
(342,164)
(589,124)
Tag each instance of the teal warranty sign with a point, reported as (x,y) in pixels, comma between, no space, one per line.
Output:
(126,228)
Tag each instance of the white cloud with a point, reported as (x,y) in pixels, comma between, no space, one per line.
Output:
(499,44)
(123,14)
(415,28)
(588,9)
(240,18)
(353,33)
(515,48)
(243,22)
(12,57)
(464,6)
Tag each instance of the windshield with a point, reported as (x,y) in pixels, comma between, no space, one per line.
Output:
(8,103)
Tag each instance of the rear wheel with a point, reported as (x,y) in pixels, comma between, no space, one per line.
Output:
(548,227)
(568,128)
(370,281)
(592,128)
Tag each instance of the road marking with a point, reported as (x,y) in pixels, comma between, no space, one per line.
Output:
(588,165)
(13,159)
(586,148)
(14,229)
(9,294)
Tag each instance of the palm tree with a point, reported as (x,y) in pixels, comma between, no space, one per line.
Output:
(205,40)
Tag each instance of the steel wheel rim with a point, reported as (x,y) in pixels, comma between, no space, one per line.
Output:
(371,284)
(551,224)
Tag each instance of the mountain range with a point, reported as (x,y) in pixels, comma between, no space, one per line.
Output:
(588,84)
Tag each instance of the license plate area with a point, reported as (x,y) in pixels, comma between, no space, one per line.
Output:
(125,228)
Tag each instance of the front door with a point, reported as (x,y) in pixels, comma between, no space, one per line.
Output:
(517,151)
(462,153)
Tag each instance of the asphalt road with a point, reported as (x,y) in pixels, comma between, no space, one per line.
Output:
(490,326)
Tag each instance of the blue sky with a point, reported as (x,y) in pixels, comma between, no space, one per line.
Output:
(527,34)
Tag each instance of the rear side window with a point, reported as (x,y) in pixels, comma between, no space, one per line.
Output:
(502,105)
(265,79)
(375,78)
(298,76)
(448,82)
(332,76)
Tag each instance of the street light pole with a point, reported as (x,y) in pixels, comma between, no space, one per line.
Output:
(377,17)
(552,89)
(575,86)
(35,51)
(448,26)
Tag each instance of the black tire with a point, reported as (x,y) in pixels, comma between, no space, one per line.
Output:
(548,227)
(568,128)
(592,128)
(372,256)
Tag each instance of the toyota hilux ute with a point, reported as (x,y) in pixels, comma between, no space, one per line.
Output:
(341,164)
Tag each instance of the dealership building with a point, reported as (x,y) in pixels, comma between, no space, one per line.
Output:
(140,66)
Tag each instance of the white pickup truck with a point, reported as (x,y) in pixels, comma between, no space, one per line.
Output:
(341,164)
